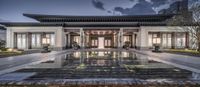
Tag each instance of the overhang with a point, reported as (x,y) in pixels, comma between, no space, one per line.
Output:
(63,18)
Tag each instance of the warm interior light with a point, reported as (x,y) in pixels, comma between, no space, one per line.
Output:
(44,41)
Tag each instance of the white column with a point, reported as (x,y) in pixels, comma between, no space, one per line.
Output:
(9,38)
(82,39)
(122,37)
(118,39)
(69,39)
(59,39)
(143,38)
(133,39)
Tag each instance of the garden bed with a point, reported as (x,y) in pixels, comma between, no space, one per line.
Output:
(184,52)
(8,54)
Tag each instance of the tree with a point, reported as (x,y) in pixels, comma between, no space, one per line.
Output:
(193,27)
(2,44)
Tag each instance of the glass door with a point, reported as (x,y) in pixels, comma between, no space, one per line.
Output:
(101,42)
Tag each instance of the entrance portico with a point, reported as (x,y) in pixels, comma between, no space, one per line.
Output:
(141,32)
(101,37)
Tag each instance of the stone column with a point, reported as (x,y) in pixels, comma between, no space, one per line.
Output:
(143,39)
(187,39)
(118,40)
(133,40)
(29,40)
(82,39)
(122,38)
(69,40)
(173,40)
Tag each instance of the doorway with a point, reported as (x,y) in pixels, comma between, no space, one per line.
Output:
(101,42)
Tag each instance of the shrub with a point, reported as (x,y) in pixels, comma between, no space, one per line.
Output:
(4,49)
(2,43)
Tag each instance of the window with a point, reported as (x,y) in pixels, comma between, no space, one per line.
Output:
(166,40)
(36,41)
(150,40)
(180,40)
(21,41)
(154,38)
(94,42)
(50,39)
(77,39)
(107,42)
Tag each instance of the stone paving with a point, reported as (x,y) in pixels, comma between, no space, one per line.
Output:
(9,64)
(182,61)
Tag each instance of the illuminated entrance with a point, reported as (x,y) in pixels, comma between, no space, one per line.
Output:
(101,38)
(101,42)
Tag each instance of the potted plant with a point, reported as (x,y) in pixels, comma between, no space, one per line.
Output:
(126,44)
(156,48)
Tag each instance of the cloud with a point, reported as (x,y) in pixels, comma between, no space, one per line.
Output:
(1,20)
(141,8)
(98,4)
(157,3)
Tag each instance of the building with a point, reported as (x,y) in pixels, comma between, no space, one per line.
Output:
(2,33)
(142,32)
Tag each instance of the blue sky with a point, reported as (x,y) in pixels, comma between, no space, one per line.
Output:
(12,10)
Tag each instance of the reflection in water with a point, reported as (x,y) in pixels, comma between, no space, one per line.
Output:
(106,64)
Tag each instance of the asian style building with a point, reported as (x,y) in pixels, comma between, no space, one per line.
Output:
(141,31)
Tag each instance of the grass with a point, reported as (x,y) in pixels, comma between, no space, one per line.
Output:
(185,51)
(9,53)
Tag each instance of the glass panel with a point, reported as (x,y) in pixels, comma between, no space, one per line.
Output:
(169,44)
(38,40)
(52,39)
(109,42)
(150,40)
(23,41)
(164,43)
(180,40)
(96,42)
(33,40)
(19,41)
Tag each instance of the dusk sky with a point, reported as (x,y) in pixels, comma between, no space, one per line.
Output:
(12,10)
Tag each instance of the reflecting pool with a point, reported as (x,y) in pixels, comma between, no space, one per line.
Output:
(104,64)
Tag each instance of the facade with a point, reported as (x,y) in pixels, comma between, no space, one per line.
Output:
(142,32)
(2,33)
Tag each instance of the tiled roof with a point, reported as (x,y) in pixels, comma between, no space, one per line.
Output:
(88,24)
(62,18)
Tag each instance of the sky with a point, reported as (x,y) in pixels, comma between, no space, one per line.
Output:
(12,10)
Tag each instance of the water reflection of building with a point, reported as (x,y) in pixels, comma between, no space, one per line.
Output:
(109,59)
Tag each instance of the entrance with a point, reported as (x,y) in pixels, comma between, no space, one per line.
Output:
(101,42)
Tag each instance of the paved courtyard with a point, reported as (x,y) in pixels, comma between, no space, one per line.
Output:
(182,61)
(10,64)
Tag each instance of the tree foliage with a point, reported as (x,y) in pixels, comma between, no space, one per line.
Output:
(193,27)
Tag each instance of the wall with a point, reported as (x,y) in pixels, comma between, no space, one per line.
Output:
(143,33)
(59,34)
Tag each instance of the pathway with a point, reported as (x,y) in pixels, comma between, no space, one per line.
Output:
(182,61)
(9,64)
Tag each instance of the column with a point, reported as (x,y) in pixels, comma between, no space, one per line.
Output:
(173,40)
(133,40)
(69,40)
(187,40)
(29,39)
(82,38)
(120,38)
(143,39)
